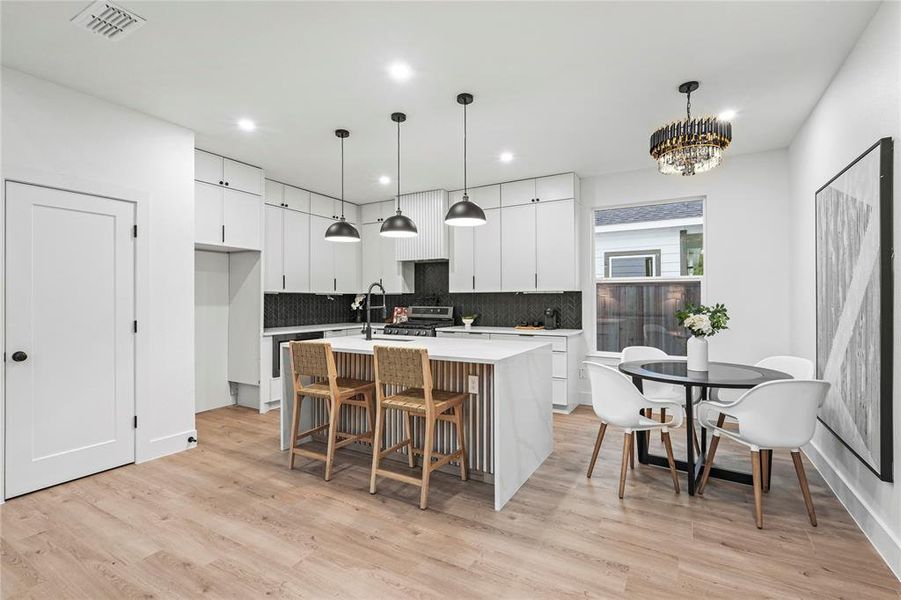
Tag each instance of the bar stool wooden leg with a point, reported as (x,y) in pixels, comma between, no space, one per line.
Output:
(430,423)
(408,433)
(627,452)
(333,418)
(370,411)
(458,420)
(597,447)
(376,446)
(805,490)
(295,423)
(758,492)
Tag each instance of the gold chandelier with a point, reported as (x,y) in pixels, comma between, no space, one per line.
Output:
(690,146)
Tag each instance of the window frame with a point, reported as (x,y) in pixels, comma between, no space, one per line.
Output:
(595,280)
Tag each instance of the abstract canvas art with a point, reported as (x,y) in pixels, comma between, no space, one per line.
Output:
(854,305)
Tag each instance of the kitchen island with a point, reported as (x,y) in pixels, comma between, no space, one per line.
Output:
(508,415)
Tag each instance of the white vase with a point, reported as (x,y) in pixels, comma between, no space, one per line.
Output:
(697,353)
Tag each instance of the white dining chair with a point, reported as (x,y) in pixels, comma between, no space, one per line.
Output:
(617,402)
(774,415)
(797,367)
(654,390)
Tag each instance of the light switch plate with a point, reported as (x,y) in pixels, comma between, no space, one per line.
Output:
(473,384)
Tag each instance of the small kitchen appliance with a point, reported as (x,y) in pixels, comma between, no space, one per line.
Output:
(423,321)
(551,318)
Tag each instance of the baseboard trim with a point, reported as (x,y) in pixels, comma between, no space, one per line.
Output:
(166,445)
(880,536)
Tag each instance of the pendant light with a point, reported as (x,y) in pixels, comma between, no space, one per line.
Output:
(341,230)
(398,225)
(465,213)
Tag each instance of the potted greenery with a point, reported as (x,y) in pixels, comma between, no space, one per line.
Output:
(702,322)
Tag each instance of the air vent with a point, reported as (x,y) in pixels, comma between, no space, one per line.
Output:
(106,19)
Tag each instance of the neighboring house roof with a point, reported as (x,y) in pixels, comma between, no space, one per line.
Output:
(649,212)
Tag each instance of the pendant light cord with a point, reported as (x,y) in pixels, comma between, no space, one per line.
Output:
(342,179)
(465,189)
(398,166)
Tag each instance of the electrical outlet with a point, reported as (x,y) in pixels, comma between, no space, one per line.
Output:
(473,384)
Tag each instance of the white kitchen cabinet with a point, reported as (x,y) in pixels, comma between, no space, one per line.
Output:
(241,219)
(273,249)
(322,265)
(541,189)
(208,217)
(297,199)
(518,247)
(486,196)
(334,266)
(326,206)
(226,217)
(475,264)
(379,262)
(538,247)
(556,246)
(376,212)
(274,193)
(296,250)
(218,170)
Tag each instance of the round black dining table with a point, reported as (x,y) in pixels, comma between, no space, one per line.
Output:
(718,375)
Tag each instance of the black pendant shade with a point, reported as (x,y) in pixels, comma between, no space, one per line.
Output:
(465,213)
(341,230)
(398,225)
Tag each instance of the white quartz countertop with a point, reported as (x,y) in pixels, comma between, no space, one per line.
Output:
(514,331)
(314,328)
(449,349)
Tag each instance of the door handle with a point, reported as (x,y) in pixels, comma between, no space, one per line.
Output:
(19,356)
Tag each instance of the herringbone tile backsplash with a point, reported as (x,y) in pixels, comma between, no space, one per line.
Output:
(494,309)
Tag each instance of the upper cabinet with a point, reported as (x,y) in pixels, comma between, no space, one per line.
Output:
(376,212)
(334,266)
(227,203)
(542,189)
(218,170)
(379,263)
(475,262)
(286,265)
(330,208)
(287,196)
(538,247)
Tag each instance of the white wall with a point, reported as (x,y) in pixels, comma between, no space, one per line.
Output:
(746,256)
(860,106)
(55,136)
(211,304)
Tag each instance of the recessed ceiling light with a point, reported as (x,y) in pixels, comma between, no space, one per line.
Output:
(246,125)
(726,115)
(400,71)
(384,180)
(506,157)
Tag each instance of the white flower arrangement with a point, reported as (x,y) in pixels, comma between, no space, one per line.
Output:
(698,324)
(358,302)
(703,321)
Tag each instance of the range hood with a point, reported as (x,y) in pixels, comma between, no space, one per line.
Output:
(427,209)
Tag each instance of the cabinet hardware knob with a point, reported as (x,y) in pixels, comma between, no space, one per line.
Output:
(19,356)
(221,182)
(226,183)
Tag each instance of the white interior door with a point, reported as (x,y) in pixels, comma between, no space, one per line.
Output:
(70,274)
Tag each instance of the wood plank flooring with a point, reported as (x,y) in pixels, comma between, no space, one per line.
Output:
(228,520)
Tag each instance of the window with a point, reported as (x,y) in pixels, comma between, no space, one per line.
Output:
(649,262)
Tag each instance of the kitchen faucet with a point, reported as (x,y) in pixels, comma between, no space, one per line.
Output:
(384,307)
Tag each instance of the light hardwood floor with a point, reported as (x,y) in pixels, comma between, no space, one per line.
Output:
(228,520)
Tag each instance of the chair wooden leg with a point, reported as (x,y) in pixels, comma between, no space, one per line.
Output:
(597,447)
(805,490)
(430,424)
(627,451)
(295,423)
(649,413)
(376,446)
(708,463)
(333,418)
(408,433)
(662,415)
(765,470)
(669,457)
(458,420)
(758,492)
(694,437)
(632,450)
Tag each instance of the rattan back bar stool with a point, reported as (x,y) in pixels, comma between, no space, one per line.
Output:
(410,369)
(315,359)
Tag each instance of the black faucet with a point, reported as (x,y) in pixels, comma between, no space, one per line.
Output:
(368,329)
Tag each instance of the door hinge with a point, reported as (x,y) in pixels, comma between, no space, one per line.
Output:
(135,324)
(134,231)
(136,422)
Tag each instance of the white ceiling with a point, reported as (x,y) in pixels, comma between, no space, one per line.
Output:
(564,86)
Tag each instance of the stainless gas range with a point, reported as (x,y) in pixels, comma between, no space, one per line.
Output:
(423,321)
